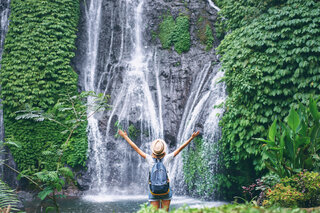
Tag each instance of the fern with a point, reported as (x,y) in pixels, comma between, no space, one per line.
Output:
(8,197)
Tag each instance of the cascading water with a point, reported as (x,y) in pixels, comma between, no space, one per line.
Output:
(200,110)
(112,165)
(149,98)
(5,10)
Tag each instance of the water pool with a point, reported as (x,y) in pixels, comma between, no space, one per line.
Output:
(113,203)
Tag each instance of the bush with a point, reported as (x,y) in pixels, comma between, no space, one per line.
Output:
(294,144)
(271,64)
(285,196)
(302,190)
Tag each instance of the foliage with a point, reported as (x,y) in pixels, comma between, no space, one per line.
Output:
(35,71)
(270,64)
(7,195)
(301,190)
(285,196)
(175,33)
(257,191)
(166,30)
(294,145)
(133,132)
(197,174)
(201,172)
(145,208)
(205,33)
(38,48)
(230,208)
(181,35)
(239,13)
(70,112)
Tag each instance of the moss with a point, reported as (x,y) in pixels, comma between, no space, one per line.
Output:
(205,34)
(175,32)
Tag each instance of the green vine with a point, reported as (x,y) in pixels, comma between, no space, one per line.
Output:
(270,65)
(35,71)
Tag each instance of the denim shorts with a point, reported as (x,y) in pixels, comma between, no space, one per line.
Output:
(160,197)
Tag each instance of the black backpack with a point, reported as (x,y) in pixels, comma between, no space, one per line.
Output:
(158,179)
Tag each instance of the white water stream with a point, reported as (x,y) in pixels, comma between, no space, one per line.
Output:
(112,164)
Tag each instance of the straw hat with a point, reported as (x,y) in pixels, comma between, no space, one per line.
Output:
(158,147)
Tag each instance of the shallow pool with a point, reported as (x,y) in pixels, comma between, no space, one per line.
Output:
(113,203)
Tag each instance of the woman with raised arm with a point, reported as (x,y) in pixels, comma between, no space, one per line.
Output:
(158,156)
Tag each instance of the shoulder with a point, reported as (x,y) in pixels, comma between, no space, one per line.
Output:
(149,158)
(169,157)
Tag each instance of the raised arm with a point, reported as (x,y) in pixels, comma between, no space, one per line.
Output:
(132,144)
(177,151)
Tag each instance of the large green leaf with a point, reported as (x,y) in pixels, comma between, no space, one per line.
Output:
(272,131)
(8,197)
(270,143)
(293,120)
(314,110)
(44,193)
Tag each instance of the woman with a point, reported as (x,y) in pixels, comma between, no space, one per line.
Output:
(158,149)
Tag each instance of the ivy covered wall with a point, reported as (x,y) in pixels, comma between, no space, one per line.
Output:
(35,71)
(271,62)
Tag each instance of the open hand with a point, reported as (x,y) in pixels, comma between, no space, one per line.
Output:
(195,134)
(122,133)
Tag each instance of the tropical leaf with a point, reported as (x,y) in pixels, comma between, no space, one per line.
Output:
(272,131)
(293,120)
(45,192)
(8,197)
(314,110)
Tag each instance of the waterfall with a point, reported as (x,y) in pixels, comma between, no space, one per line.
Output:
(113,166)
(147,97)
(213,5)
(5,10)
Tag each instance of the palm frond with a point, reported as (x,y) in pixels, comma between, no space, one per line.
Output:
(8,197)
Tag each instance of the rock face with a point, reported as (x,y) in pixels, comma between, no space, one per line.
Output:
(154,92)
(4,14)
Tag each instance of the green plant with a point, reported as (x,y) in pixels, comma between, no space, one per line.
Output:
(35,70)
(227,208)
(145,208)
(239,13)
(181,36)
(200,169)
(205,33)
(285,196)
(166,30)
(133,132)
(175,32)
(8,197)
(210,38)
(302,190)
(291,147)
(271,64)
(70,112)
